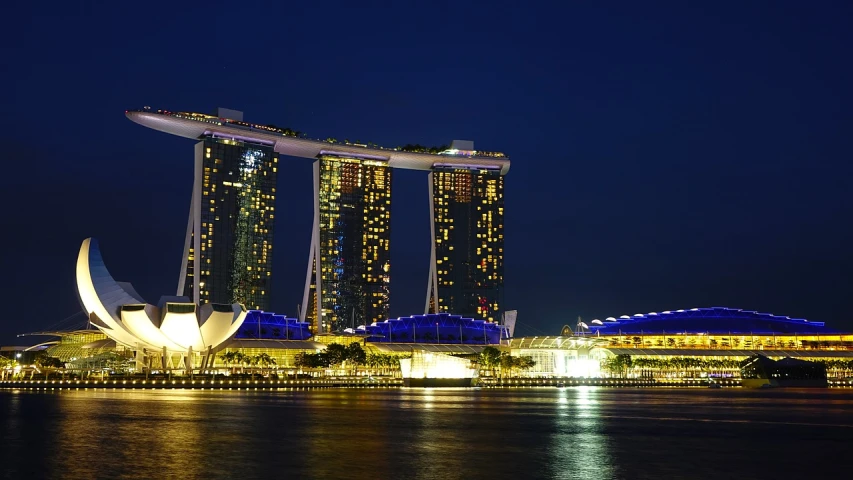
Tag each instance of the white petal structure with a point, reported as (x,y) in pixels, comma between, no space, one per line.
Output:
(176,324)
(137,319)
(218,322)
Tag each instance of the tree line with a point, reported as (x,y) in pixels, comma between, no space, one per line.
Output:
(353,355)
(236,358)
(497,362)
(418,148)
(491,360)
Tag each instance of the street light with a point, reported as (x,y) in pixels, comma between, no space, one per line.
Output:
(18,355)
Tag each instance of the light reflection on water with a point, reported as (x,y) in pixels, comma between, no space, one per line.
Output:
(584,433)
(579,447)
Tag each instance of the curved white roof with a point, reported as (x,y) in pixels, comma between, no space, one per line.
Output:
(305,147)
(117,311)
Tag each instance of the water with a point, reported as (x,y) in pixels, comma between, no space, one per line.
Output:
(583,432)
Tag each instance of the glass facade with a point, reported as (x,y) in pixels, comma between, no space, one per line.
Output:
(468,220)
(71,345)
(733,341)
(355,232)
(237,211)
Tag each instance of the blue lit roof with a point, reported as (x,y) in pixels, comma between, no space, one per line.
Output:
(710,320)
(267,325)
(435,327)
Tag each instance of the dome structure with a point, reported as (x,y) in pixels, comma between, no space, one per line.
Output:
(435,327)
(174,325)
(709,320)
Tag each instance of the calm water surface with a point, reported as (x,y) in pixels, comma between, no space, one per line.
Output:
(585,433)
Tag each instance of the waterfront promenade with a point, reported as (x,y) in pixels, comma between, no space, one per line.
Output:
(217,384)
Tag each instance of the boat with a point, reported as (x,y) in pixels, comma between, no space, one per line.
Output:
(759,371)
(714,384)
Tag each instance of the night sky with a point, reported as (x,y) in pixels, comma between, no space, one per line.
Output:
(664,156)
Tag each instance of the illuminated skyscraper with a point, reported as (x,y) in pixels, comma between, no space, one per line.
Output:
(349,264)
(466,264)
(228,246)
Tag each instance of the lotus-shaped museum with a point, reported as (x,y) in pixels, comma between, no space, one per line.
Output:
(174,325)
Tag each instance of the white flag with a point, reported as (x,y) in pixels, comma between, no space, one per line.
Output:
(509,321)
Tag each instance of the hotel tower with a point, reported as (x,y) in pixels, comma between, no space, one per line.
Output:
(467,224)
(229,239)
(350,260)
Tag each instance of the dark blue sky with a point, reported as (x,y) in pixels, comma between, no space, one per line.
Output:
(665,156)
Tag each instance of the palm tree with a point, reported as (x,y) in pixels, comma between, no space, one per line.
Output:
(239,358)
(356,356)
(623,363)
(5,364)
(227,358)
(335,354)
(490,358)
(508,362)
(48,363)
(380,361)
(303,360)
(526,362)
(249,361)
(264,360)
